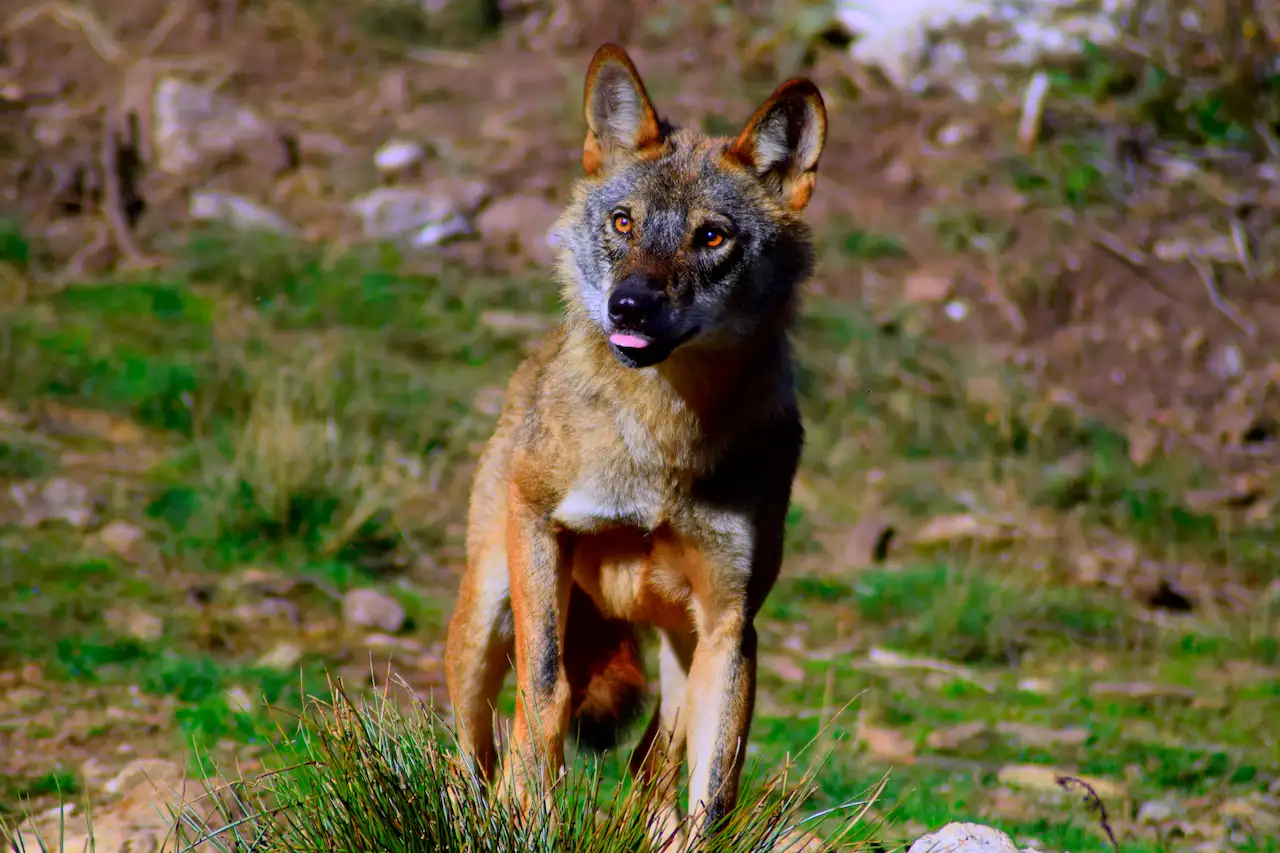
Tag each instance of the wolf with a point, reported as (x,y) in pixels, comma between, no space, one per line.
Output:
(641,468)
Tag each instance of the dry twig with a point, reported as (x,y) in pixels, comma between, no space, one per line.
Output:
(889,659)
(1268,138)
(1224,305)
(1240,241)
(113,205)
(1129,254)
(1094,803)
(73,18)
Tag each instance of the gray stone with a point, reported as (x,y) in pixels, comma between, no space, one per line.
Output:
(368,608)
(238,212)
(420,217)
(920,44)
(58,499)
(194,123)
(964,838)
(396,155)
(282,656)
(1159,811)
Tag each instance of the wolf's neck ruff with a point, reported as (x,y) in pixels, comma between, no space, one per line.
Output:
(707,392)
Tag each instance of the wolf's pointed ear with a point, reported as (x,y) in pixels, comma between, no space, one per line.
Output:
(619,114)
(783,140)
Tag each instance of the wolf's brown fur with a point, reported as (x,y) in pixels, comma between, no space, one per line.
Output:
(642,465)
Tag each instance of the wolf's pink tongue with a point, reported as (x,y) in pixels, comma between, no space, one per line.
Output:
(630,341)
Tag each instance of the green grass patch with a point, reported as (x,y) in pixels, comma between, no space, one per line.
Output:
(49,590)
(464,24)
(869,246)
(24,461)
(1064,172)
(1220,106)
(15,248)
(319,427)
(146,349)
(960,230)
(966,615)
(208,691)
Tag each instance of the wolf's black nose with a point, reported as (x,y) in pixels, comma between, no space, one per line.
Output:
(636,302)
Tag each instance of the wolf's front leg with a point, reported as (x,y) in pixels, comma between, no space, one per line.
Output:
(732,559)
(540,584)
(721,700)
(657,758)
(478,650)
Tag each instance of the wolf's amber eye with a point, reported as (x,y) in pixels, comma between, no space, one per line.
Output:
(622,223)
(711,238)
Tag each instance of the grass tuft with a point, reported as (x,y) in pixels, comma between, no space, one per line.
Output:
(368,775)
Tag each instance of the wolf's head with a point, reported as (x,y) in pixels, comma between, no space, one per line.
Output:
(675,239)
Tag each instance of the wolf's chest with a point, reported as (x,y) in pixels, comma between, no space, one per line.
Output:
(595,503)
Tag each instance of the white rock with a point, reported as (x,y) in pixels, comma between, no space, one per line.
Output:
(54,127)
(955,133)
(423,217)
(1227,363)
(440,232)
(891,34)
(398,154)
(1218,248)
(58,499)
(238,699)
(1159,811)
(144,771)
(122,538)
(927,286)
(907,39)
(136,623)
(368,608)
(282,656)
(964,838)
(137,820)
(193,123)
(237,211)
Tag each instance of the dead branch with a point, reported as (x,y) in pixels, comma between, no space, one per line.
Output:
(173,15)
(1240,241)
(1225,306)
(1131,255)
(1094,804)
(113,205)
(73,18)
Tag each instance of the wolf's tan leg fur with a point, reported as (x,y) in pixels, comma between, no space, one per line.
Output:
(657,757)
(540,585)
(478,652)
(721,700)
